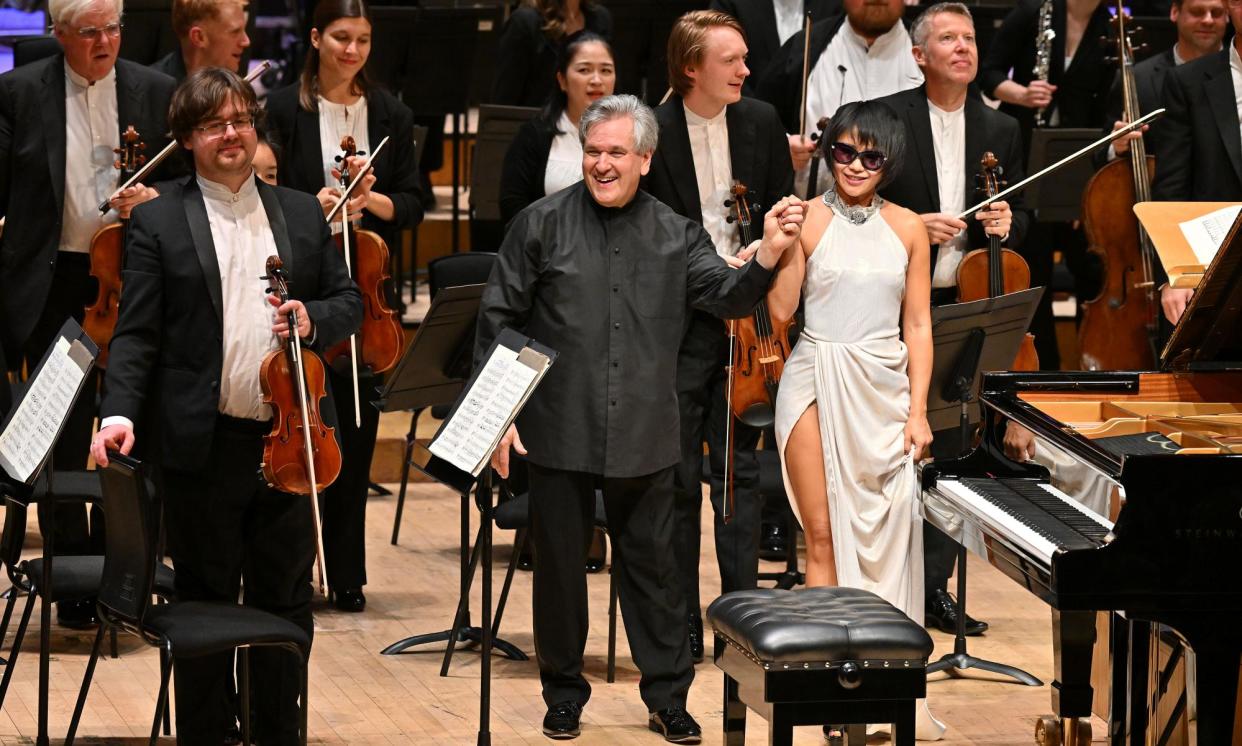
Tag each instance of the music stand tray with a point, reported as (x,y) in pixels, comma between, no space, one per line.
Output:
(1059,199)
(970,338)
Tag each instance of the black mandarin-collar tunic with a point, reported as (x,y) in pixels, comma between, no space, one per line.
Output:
(609,289)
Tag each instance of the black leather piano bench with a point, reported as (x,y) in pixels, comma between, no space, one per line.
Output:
(818,656)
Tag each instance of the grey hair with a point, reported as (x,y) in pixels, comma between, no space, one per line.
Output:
(922,24)
(65,11)
(646,131)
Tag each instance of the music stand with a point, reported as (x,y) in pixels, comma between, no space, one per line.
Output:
(1059,200)
(433,371)
(970,338)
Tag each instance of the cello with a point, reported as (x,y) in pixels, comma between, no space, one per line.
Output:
(301,455)
(379,341)
(1120,326)
(995,271)
(107,252)
(758,348)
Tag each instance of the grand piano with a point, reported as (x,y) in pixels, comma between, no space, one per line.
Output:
(1171,442)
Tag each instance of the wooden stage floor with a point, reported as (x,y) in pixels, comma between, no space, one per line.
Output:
(361,697)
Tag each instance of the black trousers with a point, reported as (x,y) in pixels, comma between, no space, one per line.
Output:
(225,525)
(345,502)
(72,290)
(640,521)
(701,381)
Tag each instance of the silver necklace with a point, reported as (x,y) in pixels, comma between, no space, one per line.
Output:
(856,214)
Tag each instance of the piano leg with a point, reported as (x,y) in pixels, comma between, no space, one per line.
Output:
(1073,638)
(1137,694)
(1217,682)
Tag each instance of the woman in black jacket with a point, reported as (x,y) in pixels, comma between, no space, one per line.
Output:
(333,99)
(527,55)
(546,154)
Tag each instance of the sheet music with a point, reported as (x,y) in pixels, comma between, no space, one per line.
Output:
(32,430)
(489,406)
(1205,234)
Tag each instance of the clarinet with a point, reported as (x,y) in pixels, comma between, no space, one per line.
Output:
(1043,52)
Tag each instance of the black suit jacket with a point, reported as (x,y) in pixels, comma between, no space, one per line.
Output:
(1149,78)
(1082,90)
(167,352)
(1199,149)
(526,162)
(171,65)
(916,185)
(32,175)
(781,83)
(758,18)
(396,173)
(758,154)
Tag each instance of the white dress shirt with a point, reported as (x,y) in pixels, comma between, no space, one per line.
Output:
(335,122)
(91,134)
(713,170)
(849,70)
(243,242)
(564,167)
(948,130)
(789,18)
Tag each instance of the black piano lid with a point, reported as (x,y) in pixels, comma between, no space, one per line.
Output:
(1208,336)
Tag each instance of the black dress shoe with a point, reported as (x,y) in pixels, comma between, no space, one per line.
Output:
(696,638)
(561,722)
(76,614)
(773,542)
(597,553)
(676,725)
(350,599)
(941,613)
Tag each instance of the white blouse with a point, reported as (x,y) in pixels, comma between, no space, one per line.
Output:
(564,166)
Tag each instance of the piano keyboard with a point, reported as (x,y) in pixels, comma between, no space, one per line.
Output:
(1033,516)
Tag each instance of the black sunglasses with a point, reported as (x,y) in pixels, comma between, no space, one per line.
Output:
(872,160)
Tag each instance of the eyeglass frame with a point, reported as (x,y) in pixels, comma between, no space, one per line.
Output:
(860,155)
(90,33)
(250,126)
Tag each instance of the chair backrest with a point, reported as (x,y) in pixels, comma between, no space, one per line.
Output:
(130,542)
(470,268)
(34,48)
(14,534)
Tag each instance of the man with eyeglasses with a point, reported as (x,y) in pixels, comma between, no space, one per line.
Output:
(947,132)
(209,33)
(60,119)
(195,325)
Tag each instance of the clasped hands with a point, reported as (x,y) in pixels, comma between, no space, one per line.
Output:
(781,227)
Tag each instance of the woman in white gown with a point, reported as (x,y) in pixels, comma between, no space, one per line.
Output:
(851,412)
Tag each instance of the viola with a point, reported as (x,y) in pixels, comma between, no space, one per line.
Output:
(379,341)
(107,252)
(994,271)
(301,455)
(1120,326)
(758,348)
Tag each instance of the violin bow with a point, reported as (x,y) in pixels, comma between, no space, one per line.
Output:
(349,269)
(806,72)
(167,151)
(1131,127)
(362,172)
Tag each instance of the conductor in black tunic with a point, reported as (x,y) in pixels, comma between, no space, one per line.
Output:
(605,274)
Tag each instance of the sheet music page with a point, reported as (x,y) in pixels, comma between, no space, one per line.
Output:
(473,431)
(1205,234)
(31,432)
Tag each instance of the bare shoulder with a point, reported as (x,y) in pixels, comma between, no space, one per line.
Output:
(817,218)
(905,223)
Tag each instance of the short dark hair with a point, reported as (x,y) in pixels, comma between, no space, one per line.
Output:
(872,125)
(201,96)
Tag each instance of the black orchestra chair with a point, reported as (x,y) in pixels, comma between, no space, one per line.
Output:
(33,48)
(468,268)
(179,629)
(74,578)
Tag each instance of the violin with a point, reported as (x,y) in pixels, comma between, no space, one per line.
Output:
(1120,326)
(820,151)
(380,339)
(107,252)
(758,348)
(992,272)
(301,455)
